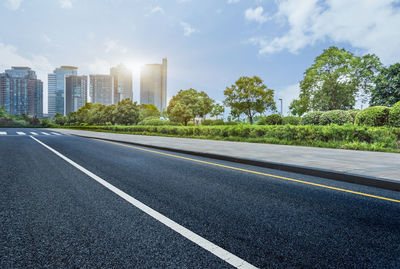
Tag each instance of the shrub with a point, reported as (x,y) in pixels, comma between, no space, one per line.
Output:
(154,121)
(292,120)
(373,116)
(338,117)
(212,122)
(311,118)
(274,119)
(394,115)
(353,114)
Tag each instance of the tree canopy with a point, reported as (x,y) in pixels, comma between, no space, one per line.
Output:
(249,96)
(334,81)
(189,104)
(387,87)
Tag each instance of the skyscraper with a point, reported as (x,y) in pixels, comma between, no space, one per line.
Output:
(21,92)
(102,89)
(56,88)
(122,83)
(75,93)
(153,85)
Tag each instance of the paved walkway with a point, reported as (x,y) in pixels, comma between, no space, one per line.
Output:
(366,163)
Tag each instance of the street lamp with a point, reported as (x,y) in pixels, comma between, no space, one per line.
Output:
(280,99)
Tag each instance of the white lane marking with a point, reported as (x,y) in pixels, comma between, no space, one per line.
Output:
(195,238)
(55,133)
(45,133)
(3,133)
(34,133)
(21,133)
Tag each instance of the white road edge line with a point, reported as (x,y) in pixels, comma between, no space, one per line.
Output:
(195,238)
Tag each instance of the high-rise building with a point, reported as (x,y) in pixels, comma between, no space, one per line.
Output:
(56,88)
(75,93)
(122,83)
(21,92)
(102,89)
(153,85)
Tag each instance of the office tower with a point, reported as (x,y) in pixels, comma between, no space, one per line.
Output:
(56,88)
(75,93)
(122,83)
(102,89)
(153,85)
(21,92)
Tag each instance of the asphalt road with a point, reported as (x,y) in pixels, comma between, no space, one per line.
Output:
(54,215)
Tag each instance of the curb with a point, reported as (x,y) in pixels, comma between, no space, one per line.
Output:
(370,181)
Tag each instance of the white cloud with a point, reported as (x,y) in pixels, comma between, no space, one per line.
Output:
(157,9)
(65,3)
(114,46)
(256,14)
(366,24)
(12,4)
(188,29)
(9,56)
(46,38)
(232,1)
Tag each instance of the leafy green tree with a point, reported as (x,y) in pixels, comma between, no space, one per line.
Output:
(334,81)
(149,110)
(109,114)
(387,89)
(59,119)
(72,118)
(3,113)
(192,104)
(126,112)
(249,96)
(217,110)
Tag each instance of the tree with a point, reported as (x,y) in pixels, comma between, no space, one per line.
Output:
(217,110)
(387,89)
(127,113)
(249,96)
(3,113)
(192,104)
(59,119)
(149,110)
(334,81)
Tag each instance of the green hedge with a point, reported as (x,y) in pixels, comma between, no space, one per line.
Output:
(311,118)
(394,115)
(339,117)
(274,119)
(346,136)
(373,116)
(293,120)
(154,121)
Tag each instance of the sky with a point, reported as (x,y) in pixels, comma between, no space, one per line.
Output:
(209,43)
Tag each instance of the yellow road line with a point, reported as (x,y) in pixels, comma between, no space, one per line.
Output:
(258,173)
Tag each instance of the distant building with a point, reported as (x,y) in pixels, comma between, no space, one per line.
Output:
(122,83)
(153,85)
(21,92)
(75,93)
(101,89)
(56,88)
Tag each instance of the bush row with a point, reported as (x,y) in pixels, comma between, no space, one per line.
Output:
(385,137)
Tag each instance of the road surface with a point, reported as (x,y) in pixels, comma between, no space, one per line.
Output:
(74,202)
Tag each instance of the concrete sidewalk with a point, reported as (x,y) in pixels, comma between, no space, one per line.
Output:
(350,162)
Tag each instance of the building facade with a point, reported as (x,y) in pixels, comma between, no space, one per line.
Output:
(21,92)
(75,93)
(153,85)
(101,89)
(56,88)
(122,83)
